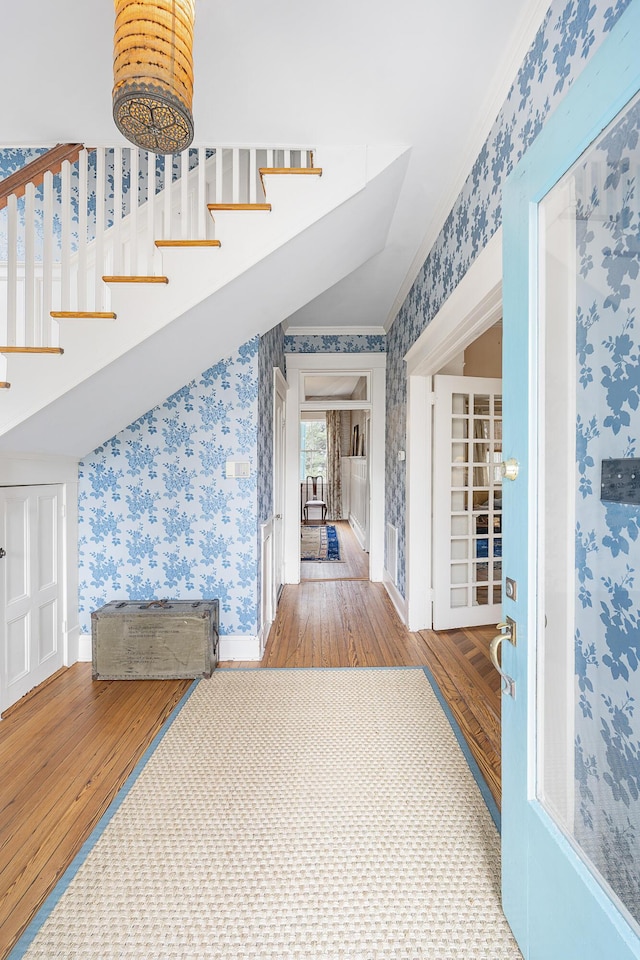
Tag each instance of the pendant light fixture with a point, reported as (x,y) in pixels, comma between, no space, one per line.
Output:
(153,73)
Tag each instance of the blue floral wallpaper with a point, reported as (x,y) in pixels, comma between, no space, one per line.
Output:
(270,355)
(607,641)
(567,37)
(159,518)
(336,343)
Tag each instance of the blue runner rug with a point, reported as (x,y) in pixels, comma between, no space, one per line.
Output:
(319,542)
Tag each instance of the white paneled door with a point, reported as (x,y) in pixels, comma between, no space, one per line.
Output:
(467,502)
(31,645)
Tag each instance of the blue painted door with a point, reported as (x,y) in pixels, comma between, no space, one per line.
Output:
(571,379)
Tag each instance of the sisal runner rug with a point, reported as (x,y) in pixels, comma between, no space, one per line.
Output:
(308,814)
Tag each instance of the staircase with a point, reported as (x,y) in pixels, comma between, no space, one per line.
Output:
(110,302)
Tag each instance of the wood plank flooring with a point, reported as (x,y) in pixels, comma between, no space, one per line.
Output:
(66,749)
(354,563)
(459,661)
(339,623)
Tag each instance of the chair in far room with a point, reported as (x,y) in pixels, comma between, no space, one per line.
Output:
(314,498)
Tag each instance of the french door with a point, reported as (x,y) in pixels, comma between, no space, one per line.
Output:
(31,643)
(467,501)
(571,720)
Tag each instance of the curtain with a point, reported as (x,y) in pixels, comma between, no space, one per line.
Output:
(334,479)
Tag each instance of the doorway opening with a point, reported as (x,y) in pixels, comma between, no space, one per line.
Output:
(467,486)
(335,464)
(334,492)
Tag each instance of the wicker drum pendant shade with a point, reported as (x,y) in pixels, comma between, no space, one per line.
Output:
(153,73)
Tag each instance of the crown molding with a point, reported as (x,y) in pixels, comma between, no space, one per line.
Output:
(334,331)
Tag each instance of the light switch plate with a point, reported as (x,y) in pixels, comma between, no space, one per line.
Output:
(238,469)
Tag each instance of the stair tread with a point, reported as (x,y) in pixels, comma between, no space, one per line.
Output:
(239,206)
(81,315)
(56,350)
(309,171)
(188,243)
(136,279)
(4,385)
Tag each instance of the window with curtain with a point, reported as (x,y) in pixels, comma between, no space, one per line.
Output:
(313,448)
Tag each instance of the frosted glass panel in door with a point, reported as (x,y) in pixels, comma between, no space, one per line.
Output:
(467,507)
(588,765)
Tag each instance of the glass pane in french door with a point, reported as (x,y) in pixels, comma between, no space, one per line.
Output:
(588,721)
(467,501)
(476,501)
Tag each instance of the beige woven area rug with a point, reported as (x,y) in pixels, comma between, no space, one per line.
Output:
(313,814)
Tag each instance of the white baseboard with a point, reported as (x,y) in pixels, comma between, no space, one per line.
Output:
(72,640)
(359,532)
(231,648)
(397,599)
(263,636)
(240,648)
(85,654)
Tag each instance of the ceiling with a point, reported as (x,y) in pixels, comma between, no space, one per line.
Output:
(421,73)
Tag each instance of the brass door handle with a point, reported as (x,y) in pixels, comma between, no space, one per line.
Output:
(508,683)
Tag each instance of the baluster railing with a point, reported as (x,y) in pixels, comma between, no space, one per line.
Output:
(94,213)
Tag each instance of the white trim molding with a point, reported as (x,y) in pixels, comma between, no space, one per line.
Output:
(239,648)
(396,597)
(329,364)
(230,648)
(473,307)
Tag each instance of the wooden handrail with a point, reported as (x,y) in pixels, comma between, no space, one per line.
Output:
(49,162)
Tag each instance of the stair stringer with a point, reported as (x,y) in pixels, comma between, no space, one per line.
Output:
(165,336)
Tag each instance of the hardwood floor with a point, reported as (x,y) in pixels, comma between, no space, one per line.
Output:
(339,623)
(66,749)
(459,661)
(354,564)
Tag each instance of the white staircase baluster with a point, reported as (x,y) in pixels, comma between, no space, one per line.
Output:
(184,195)
(99,258)
(47,259)
(12,270)
(253,174)
(66,215)
(32,328)
(106,246)
(235,195)
(168,182)
(117,212)
(134,188)
(82,231)
(218,197)
(151,212)
(201,196)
